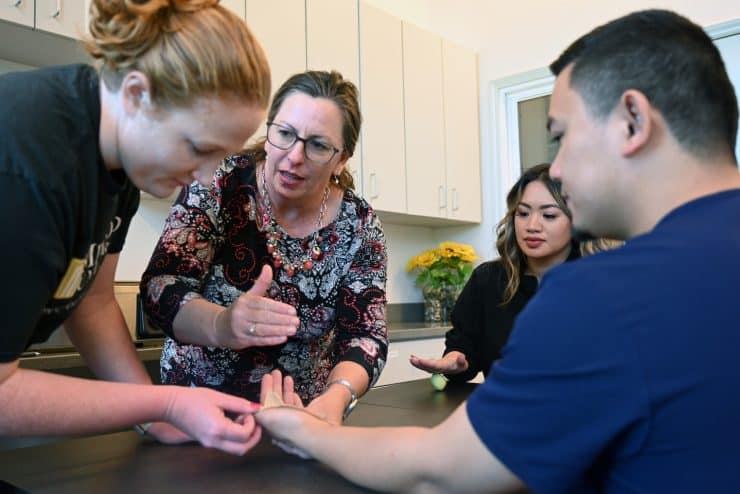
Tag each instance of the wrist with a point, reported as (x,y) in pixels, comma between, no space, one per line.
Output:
(216,326)
(352,394)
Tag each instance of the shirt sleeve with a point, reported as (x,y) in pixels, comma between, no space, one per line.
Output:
(33,258)
(182,257)
(128,205)
(467,320)
(362,335)
(566,388)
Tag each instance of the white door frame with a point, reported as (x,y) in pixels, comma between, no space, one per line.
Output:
(507,93)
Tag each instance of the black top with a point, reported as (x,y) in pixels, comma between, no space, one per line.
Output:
(63,210)
(480,324)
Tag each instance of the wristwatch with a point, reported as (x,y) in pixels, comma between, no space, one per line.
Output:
(353,396)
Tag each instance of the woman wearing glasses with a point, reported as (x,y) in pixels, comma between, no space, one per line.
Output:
(278,265)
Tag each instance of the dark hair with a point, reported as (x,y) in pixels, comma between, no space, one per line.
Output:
(332,86)
(512,257)
(672,62)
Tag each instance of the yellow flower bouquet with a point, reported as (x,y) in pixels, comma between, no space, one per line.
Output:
(441,273)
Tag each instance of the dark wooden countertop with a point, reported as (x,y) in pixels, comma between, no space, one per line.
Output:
(125,463)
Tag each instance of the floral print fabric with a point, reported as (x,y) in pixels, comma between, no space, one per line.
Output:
(213,247)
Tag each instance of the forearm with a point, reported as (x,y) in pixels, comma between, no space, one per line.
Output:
(104,342)
(195,323)
(41,403)
(392,459)
(447,458)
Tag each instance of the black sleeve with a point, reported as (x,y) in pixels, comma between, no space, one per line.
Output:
(468,319)
(33,256)
(128,204)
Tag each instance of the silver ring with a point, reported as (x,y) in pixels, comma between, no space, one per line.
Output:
(252,329)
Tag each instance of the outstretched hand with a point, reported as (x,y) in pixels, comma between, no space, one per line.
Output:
(452,363)
(254,319)
(276,390)
(283,409)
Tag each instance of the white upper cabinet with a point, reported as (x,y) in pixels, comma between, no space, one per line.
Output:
(424,119)
(18,11)
(239,7)
(332,40)
(462,140)
(63,17)
(280,25)
(332,43)
(381,83)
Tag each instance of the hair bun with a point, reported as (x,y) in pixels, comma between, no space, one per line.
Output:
(121,30)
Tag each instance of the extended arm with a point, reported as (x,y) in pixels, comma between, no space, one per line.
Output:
(41,403)
(447,458)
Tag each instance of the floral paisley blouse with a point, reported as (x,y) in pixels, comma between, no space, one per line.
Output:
(213,248)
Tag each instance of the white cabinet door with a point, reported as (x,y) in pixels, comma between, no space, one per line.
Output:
(332,39)
(332,43)
(424,117)
(398,369)
(63,17)
(236,6)
(381,83)
(462,144)
(20,12)
(280,25)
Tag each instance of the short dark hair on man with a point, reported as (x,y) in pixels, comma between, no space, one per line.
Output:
(672,62)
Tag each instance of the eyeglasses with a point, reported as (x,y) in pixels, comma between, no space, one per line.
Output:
(314,148)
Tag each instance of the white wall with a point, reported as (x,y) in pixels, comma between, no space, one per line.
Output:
(143,234)
(512,38)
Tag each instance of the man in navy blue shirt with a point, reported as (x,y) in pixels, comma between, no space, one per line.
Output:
(621,374)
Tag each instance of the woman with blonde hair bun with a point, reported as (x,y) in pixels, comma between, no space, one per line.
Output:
(178,85)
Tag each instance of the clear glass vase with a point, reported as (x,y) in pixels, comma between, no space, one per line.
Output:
(439,302)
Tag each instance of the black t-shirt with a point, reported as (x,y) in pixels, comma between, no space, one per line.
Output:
(62,209)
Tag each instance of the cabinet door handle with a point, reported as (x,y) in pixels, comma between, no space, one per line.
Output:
(373,186)
(17,3)
(58,10)
(442,197)
(455,199)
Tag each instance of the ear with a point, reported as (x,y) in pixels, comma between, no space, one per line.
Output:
(340,164)
(136,92)
(635,120)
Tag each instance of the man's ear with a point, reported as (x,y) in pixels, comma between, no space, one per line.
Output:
(136,92)
(635,118)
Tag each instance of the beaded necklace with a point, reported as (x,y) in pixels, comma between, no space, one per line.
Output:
(277,249)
